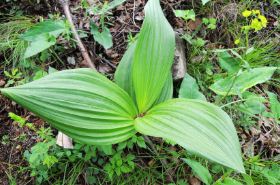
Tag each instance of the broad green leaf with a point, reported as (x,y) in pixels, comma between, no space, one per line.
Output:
(253,104)
(38,46)
(81,103)
(185,14)
(42,36)
(104,38)
(198,126)
(167,91)
(228,62)
(40,30)
(124,79)
(200,171)
(189,89)
(123,73)
(153,56)
(237,84)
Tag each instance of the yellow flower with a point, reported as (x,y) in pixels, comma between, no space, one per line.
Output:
(263,20)
(256,12)
(256,24)
(246,13)
(237,41)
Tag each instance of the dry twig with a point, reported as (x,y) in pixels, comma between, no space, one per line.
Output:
(66,9)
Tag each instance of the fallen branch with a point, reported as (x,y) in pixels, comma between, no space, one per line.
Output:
(66,9)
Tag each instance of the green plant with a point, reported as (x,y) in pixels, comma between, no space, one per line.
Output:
(274,107)
(102,33)
(91,109)
(119,164)
(254,21)
(14,77)
(39,159)
(240,76)
(55,161)
(189,89)
(21,121)
(263,171)
(5,140)
(210,23)
(185,14)
(242,80)
(42,36)
(12,47)
(200,171)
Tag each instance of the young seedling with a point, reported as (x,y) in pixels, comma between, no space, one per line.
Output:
(91,109)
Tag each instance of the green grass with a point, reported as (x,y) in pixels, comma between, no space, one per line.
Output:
(11,46)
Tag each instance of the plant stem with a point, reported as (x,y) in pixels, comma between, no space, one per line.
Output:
(247,39)
(66,9)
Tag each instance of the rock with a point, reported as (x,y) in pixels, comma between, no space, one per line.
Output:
(179,67)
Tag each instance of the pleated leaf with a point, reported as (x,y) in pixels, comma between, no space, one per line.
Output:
(198,126)
(167,91)
(123,73)
(81,103)
(123,77)
(153,56)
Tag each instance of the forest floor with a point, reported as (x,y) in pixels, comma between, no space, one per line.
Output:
(211,37)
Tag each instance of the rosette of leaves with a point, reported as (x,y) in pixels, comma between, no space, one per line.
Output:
(91,109)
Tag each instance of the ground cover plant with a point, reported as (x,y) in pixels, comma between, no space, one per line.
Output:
(138,122)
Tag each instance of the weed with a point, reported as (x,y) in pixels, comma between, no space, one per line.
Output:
(5,140)
(101,32)
(11,45)
(21,121)
(14,77)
